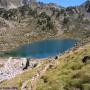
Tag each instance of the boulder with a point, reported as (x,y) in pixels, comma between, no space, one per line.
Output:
(26,65)
(84,60)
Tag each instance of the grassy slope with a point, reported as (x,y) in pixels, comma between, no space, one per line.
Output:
(70,74)
(19,79)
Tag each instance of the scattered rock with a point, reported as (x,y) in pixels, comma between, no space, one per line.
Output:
(27,64)
(84,60)
(56,57)
(14,66)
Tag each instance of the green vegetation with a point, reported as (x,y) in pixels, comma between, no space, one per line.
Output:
(70,74)
(46,22)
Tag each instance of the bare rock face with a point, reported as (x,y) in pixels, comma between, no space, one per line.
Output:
(8,4)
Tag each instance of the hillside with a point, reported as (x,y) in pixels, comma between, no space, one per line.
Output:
(68,72)
(9,4)
(38,21)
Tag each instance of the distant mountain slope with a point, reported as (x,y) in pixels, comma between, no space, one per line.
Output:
(38,21)
(8,4)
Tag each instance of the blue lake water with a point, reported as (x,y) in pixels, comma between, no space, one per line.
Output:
(43,49)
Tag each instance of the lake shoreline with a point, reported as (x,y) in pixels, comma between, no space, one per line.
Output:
(13,46)
(42,49)
(46,38)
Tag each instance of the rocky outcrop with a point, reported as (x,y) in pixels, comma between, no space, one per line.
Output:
(8,4)
(27,64)
(15,66)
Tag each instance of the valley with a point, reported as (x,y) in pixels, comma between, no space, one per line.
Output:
(24,22)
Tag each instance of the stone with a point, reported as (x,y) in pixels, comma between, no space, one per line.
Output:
(27,64)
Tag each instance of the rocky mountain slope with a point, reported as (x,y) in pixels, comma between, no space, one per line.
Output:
(9,4)
(38,21)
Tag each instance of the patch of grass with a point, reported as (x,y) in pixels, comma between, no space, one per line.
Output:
(70,74)
(86,86)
